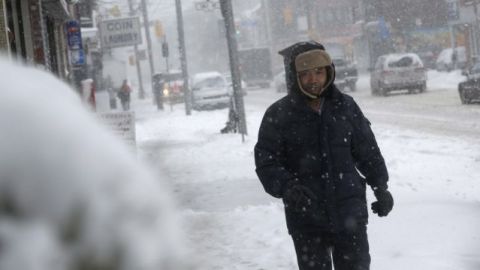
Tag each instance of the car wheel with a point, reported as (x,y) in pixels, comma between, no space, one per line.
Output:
(373,89)
(384,92)
(463,99)
(423,87)
(352,86)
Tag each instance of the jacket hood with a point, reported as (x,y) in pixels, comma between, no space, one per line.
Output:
(290,53)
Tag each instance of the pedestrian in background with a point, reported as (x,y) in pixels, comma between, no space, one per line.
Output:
(124,95)
(111,92)
(317,152)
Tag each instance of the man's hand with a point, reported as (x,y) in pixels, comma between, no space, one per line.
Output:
(299,197)
(384,203)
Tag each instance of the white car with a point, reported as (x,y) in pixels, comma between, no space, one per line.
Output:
(210,90)
(398,71)
(450,59)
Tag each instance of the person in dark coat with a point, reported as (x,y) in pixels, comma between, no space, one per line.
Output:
(317,152)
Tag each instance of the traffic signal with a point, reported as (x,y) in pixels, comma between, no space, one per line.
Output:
(287,16)
(237,28)
(165,49)
(159,29)
(131,60)
(115,11)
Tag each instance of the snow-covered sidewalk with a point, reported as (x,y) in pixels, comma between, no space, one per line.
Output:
(233,224)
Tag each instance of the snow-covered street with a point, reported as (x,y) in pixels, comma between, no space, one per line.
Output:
(432,147)
(119,147)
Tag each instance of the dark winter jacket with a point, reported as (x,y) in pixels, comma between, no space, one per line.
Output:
(324,152)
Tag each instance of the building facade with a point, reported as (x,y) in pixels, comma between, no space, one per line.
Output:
(3,29)
(465,28)
(33,31)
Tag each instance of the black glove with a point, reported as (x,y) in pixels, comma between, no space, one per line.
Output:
(299,197)
(384,203)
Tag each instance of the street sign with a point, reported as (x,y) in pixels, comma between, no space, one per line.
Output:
(120,32)
(74,36)
(122,124)
(74,42)
(165,49)
(452,11)
(384,32)
(468,2)
(77,57)
(207,5)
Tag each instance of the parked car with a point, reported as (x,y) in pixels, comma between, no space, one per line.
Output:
(228,77)
(346,74)
(428,59)
(450,59)
(397,72)
(280,82)
(174,86)
(169,86)
(469,90)
(210,90)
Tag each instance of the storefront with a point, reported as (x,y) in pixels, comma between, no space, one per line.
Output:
(35,32)
(4,41)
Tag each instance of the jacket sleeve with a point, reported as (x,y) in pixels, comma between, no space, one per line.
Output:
(269,157)
(368,158)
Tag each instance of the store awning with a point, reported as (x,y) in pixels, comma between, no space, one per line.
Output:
(57,9)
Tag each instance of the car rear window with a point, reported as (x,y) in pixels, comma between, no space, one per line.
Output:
(405,61)
(394,61)
(169,77)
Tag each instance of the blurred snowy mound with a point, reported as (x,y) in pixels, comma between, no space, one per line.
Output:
(71,195)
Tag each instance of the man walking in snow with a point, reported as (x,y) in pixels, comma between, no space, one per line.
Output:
(317,152)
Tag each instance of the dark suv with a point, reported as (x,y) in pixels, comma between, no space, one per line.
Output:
(469,90)
(346,74)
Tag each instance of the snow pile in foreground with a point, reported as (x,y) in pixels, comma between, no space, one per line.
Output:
(71,195)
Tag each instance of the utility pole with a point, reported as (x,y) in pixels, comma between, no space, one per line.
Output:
(141,92)
(475,28)
(146,23)
(227,12)
(183,57)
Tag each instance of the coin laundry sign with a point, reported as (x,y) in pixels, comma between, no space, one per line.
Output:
(120,32)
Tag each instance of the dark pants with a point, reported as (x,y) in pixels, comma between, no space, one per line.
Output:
(349,250)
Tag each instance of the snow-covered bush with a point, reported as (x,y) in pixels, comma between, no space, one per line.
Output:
(72,196)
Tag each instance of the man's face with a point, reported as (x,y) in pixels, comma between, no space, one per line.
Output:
(313,80)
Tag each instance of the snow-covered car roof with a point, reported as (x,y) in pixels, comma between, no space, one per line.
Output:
(205,75)
(63,170)
(397,57)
